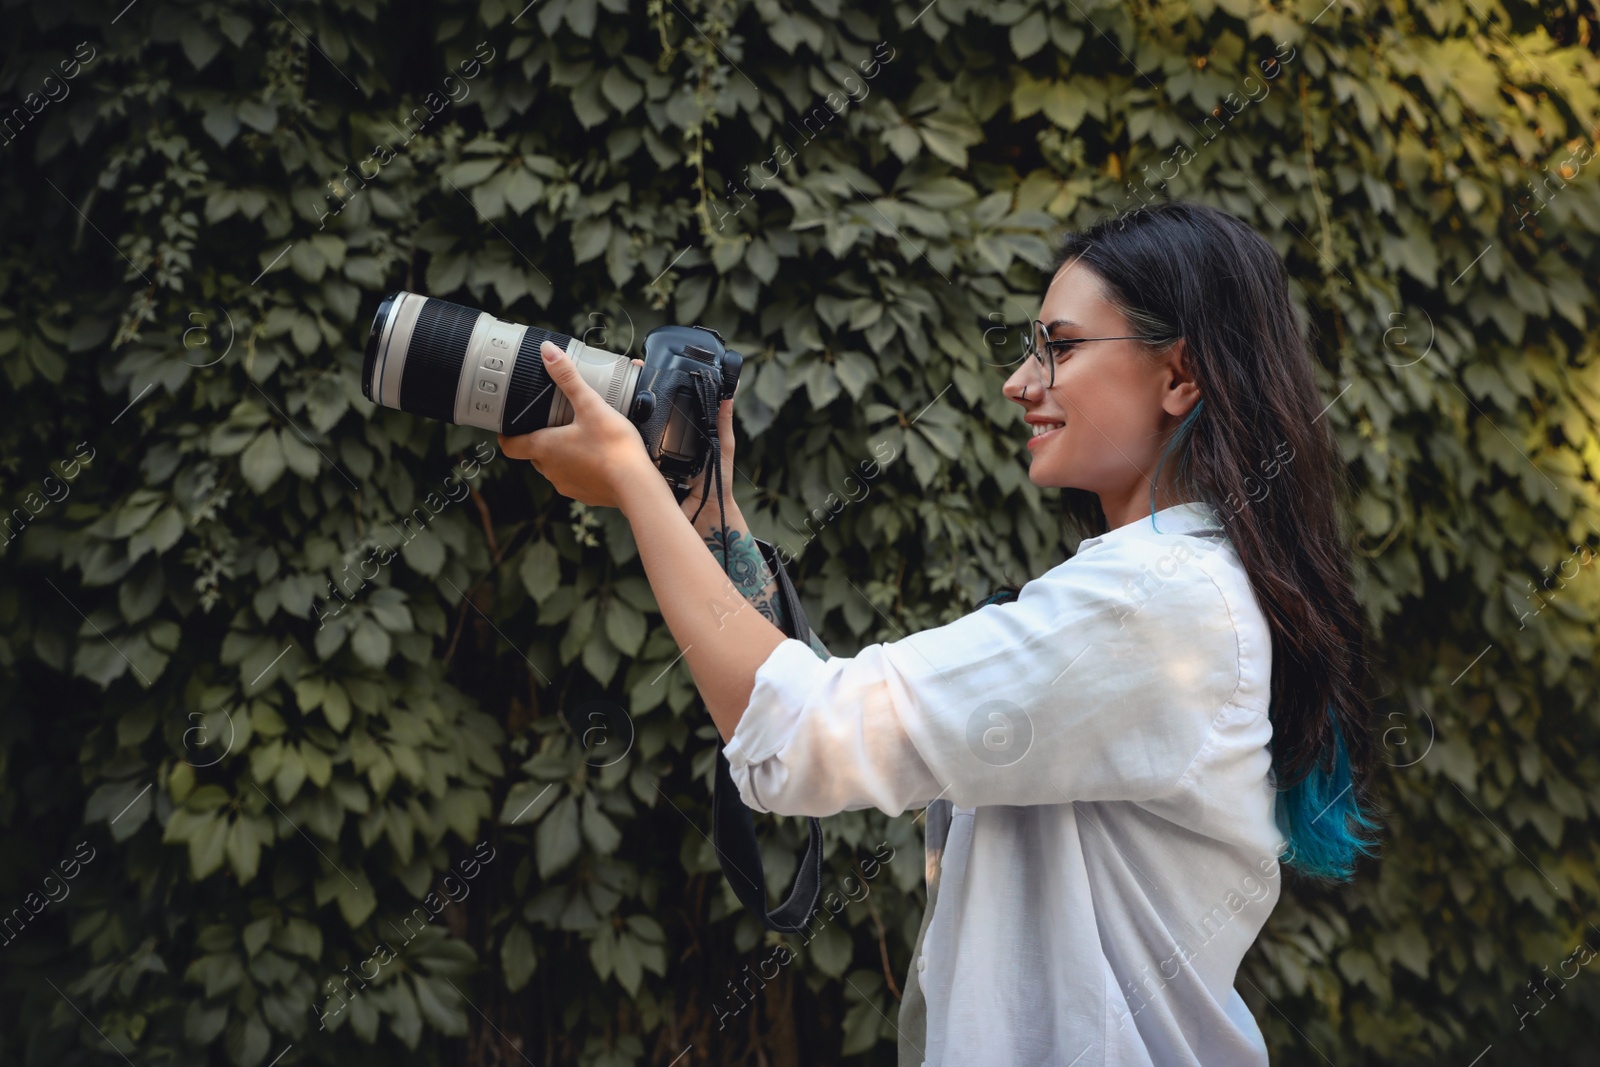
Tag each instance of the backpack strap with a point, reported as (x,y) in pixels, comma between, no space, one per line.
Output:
(733,828)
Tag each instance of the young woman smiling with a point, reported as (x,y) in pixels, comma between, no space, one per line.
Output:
(1115,760)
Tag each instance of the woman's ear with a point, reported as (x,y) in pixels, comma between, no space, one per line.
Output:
(1182,392)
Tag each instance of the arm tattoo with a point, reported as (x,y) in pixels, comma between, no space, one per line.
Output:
(741,560)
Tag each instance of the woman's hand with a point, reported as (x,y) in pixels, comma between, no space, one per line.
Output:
(708,514)
(591,457)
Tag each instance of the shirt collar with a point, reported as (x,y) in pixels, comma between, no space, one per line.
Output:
(1196,517)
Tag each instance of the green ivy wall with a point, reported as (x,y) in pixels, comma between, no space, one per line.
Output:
(301,693)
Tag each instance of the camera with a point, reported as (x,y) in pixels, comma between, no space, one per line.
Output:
(446,361)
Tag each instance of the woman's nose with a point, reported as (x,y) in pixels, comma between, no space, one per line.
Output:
(1021,384)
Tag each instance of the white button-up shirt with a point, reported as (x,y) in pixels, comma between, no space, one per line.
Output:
(1104,849)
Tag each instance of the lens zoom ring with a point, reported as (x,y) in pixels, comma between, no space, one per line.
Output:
(433,363)
(529,396)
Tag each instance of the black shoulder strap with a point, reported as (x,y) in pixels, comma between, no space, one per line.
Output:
(733,827)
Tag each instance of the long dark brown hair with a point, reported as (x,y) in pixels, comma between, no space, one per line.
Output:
(1181,269)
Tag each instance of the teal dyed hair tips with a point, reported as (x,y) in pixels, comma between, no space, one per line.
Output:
(1326,828)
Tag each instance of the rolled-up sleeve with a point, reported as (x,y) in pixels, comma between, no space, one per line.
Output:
(1101,681)
(824,736)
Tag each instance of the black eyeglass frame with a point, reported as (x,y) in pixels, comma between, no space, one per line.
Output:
(1058,346)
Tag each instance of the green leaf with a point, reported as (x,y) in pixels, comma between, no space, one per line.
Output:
(424,554)
(945,438)
(540,570)
(136,512)
(247,1040)
(208,797)
(319,768)
(371,644)
(164,530)
(222,123)
(621,90)
(441,1005)
(1030,35)
(255,935)
(942,193)
(625,627)
(600,658)
(298,937)
(138,596)
(256,115)
(602,833)
(291,773)
(556,842)
(336,706)
(581,17)
(472,172)
(245,838)
(308,264)
(522,190)
(356,899)
(301,457)
(447,273)
(262,463)
(517,957)
(202,1024)
(526,801)
(831,949)
(589,238)
(405,1020)
(625,961)
(864,1020)
(207,843)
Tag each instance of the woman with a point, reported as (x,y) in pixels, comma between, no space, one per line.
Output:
(1122,754)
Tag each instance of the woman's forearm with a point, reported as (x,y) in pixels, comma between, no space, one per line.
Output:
(724,638)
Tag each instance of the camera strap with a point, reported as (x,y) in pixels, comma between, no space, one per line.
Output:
(733,828)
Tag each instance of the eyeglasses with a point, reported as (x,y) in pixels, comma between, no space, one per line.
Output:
(1039,341)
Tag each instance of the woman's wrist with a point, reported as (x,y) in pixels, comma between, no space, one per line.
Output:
(708,518)
(646,494)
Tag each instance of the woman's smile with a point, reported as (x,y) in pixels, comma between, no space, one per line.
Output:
(1043,428)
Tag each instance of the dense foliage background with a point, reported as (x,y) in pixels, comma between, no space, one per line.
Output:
(281,669)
